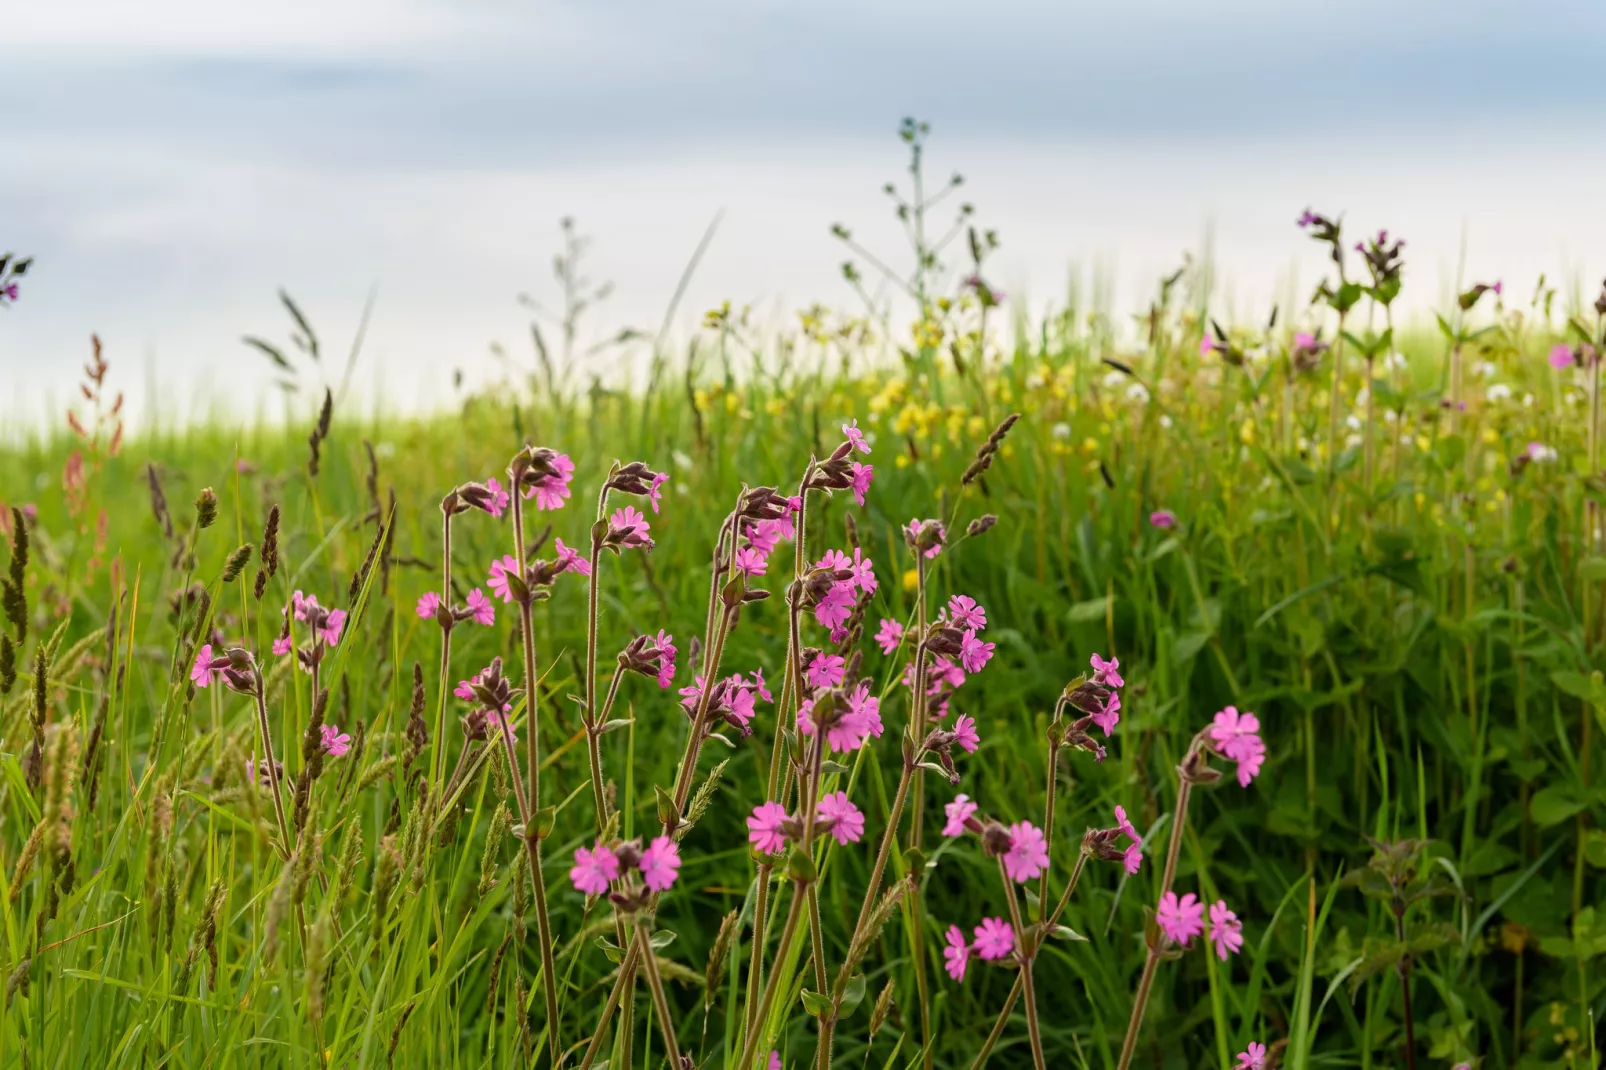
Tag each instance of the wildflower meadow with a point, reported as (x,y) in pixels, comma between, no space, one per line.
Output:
(919,685)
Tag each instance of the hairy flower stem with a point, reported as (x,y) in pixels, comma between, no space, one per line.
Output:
(530,806)
(918,722)
(593,738)
(755,970)
(264,727)
(1146,982)
(627,968)
(1048,805)
(660,1005)
(446,659)
(788,931)
(1027,949)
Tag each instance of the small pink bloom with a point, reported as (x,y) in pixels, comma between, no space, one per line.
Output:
(994,939)
(956,953)
(660,864)
(499,498)
(750,562)
(501,722)
(333,626)
(1251,757)
(965,613)
(764,827)
(629,526)
(826,670)
(550,492)
(1230,731)
(1133,858)
(1180,919)
(655,492)
(481,609)
(299,604)
(889,635)
(571,559)
(428,603)
(1254,1058)
(335,742)
(202,672)
(973,653)
(666,658)
(855,437)
(1304,340)
(912,530)
(1108,717)
(1027,856)
(283,645)
(501,569)
(965,733)
(959,811)
(760,687)
(861,475)
(764,536)
(1561,355)
(1107,673)
(863,572)
(1125,825)
(1226,931)
(1164,519)
(1207,345)
(593,869)
(775,1060)
(835,607)
(867,708)
(848,819)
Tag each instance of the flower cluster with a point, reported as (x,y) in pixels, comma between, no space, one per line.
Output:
(1182,919)
(1236,737)
(994,942)
(770,827)
(849,719)
(731,699)
(595,868)
(324,625)
(1105,844)
(652,656)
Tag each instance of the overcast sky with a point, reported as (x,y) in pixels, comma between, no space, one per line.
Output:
(169,164)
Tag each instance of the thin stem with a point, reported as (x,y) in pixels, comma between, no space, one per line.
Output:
(446,656)
(1033,1032)
(755,970)
(660,1004)
(627,968)
(788,930)
(265,728)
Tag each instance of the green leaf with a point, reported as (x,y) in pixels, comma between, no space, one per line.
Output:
(816,1003)
(853,994)
(799,866)
(545,818)
(1555,804)
(662,939)
(666,805)
(1091,610)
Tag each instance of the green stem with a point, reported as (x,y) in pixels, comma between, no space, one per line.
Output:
(1033,1030)
(666,1023)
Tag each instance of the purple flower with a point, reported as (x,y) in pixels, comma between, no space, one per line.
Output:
(826,670)
(660,864)
(1254,1058)
(965,733)
(335,742)
(847,822)
(750,562)
(765,828)
(912,531)
(1226,931)
(428,603)
(959,812)
(570,559)
(861,475)
(283,645)
(1110,715)
(666,657)
(836,606)
(1180,919)
(1307,217)
(956,953)
(994,939)
(481,609)
(863,572)
(1561,355)
(654,493)
(759,686)
(499,498)
(1230,731)
(1027,855)
(889,635)
(206,670)
(628,528)
(775,1060)
(593,869)
(965,613)
(550,492)
(1164,519)
(501,569)
(855,438)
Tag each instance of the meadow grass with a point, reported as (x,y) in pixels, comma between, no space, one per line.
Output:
(1407,594)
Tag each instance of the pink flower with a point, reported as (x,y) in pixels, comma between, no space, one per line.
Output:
(866,708)
(959,811)
(550,492)
(973,653)
(654,493)
(660,864)
(765,827)
(335,742)
(912,530)
(1207,345)
(1226,931)
(889,635)
(760,687)
(994,939)
(203,672)
(957,953)
(856,437)
(965,613)
(1249,763)
(283,645)
(428,603)
(765,535)
(481,609)
(944,673)
(863,572)
(826,670)
(1164,519)
(503,722)
(1108,717)
(1028,852)
(750,562)
(1304,340)
(965,733)
(1254,1058)
(628,526)
(1107,673)
(835,607)
(847,820)
(1125,825)
(501,569)
(499,498)
(570,559)
(861,475)
(333,626)
(1229,729)
(775,1060)
(299,603)
(593,869)
(666,657)
(1180,919)
(739,704)
(1561,355)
